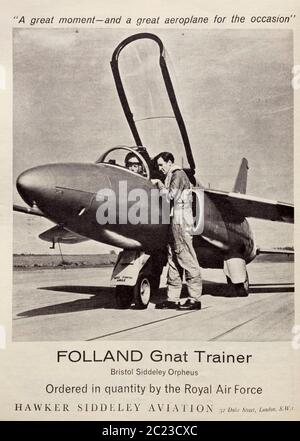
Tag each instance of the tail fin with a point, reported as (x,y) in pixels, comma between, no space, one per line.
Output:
(240,185)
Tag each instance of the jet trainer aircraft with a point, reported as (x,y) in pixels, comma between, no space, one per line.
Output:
(66,194)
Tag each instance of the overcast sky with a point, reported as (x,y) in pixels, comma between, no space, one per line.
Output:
(234,91)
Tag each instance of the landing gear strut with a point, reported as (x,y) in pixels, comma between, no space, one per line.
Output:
(240,289)
(139,294)
(237,276)
(148,269)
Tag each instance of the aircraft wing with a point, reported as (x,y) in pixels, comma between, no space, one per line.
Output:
(251,206)
(274,251)
(28,210)
(55,234)
(59,234)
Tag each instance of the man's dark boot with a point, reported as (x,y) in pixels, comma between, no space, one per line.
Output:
(167,305)
(189,306)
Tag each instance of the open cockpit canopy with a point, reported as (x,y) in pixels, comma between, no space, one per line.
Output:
(140,68)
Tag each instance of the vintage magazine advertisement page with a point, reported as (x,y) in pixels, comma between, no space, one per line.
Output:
(147,210)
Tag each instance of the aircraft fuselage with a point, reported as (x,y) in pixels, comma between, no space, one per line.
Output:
(68,194)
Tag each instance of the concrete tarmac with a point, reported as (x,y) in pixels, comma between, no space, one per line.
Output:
(79,305)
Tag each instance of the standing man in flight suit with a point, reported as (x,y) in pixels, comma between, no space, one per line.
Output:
(181,254)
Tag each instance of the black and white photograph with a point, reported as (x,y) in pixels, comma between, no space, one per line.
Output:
(153,185)
(148,188)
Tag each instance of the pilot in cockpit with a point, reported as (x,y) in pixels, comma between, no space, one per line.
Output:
(133,163)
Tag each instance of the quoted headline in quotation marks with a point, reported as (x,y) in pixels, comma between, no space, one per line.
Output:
(216,19)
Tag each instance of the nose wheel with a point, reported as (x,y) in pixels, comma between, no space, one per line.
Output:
(142,292)
(141,269)
(139,294)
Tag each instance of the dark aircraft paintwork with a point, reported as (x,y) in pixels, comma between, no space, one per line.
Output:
(61,191)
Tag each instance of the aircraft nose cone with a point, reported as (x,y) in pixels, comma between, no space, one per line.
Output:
(62,190)
(32,182)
